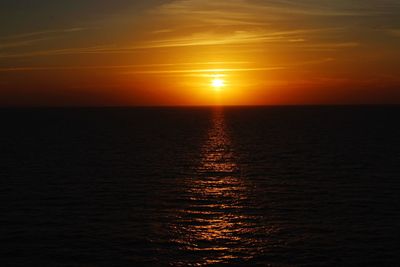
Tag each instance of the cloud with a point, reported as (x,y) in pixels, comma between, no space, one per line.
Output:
(258,12)
(241,23)
(240,38)
(244,22)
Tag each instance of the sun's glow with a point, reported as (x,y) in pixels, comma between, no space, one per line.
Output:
(217,83)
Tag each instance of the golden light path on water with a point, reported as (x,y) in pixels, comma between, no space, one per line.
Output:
(219,224)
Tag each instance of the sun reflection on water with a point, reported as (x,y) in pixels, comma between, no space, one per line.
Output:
(217,224)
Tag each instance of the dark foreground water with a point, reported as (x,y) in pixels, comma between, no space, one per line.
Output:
(279,186)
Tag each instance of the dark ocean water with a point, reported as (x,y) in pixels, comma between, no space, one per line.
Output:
(278,186)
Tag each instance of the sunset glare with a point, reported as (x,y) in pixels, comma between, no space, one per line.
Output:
(217,84)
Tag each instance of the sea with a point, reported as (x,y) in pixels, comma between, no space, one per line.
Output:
(201,186)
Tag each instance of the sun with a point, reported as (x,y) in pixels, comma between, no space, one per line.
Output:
(217,84)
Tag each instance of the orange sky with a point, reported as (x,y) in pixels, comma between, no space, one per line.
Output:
(168,52)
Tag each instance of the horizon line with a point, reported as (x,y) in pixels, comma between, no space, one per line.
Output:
(191,106)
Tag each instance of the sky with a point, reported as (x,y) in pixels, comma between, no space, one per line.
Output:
(171,52)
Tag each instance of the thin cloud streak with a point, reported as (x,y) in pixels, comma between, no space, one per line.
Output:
(190,71)
(393,32)
(200,71)
(27,39)
(41,33)
(18,69)
(14,44)
(237,37)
